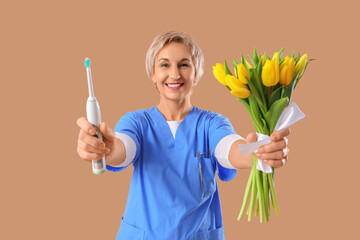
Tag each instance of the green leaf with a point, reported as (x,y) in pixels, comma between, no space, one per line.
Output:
(258,68)
(255,54)
(226,68)
(265,128)
(280,53)
(274,113)
(235,68)
(256,115)
(252,61)
(255,57)
(297,59)
(275,95)
(254,90)
(243,62)
(290,88)
(260,90)
(235,63)
(246,103)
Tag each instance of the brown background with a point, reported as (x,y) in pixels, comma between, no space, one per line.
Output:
(48,192)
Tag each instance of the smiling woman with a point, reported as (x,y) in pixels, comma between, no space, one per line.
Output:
(175,149)
(174,77)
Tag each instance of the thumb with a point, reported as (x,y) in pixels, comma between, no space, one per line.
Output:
(106,131)
(251,137)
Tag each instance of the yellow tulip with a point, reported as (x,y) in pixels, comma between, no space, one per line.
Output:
(242,73)
(237,88)
(275,56)
(219,73)
(270,73)
(248,64)
(241,92)
(287,71)
(233,82)
(301,64)
(262,60)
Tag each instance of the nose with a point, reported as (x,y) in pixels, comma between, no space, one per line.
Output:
(174,73)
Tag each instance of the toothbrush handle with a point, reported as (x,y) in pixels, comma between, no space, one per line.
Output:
(94,117)
(98,166)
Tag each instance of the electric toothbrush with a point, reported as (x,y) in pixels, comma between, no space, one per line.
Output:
(94,117)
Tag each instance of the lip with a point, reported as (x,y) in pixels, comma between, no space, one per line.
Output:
(174,88)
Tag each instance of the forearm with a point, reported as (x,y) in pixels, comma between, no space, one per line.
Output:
(117,155)
(237,160)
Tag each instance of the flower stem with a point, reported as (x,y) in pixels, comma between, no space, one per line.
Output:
(253,193)
(266,196)
(260,193)
(247,192)
(273,194)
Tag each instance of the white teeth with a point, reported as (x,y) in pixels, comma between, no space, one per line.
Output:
(174,85)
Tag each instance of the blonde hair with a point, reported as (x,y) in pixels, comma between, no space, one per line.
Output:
(174,36)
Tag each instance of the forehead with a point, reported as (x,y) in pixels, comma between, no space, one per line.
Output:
(174,51)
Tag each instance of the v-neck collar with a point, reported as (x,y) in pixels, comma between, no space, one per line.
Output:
(163,127)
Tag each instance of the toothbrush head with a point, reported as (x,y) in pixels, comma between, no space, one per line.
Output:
(87,62)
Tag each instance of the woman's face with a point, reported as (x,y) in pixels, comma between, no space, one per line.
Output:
(174,72)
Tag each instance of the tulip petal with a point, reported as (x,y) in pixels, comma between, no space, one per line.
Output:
(240,92)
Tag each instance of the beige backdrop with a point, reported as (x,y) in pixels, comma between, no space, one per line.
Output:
(48,192)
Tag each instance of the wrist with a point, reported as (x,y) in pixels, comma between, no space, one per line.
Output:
(117,154)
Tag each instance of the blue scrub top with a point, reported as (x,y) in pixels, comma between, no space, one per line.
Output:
(173,192)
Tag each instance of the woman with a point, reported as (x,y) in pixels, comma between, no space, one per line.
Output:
(175,149)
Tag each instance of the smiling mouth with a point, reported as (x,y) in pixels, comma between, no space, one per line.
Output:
(174,86)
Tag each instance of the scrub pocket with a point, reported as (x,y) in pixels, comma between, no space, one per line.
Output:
(204,173)
(128,232)
(216,234)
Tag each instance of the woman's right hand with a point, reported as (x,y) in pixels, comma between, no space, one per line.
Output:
(89,146)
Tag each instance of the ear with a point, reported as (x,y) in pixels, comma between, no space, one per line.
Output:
(195,83)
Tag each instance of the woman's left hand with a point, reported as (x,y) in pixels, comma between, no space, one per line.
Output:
(275,153)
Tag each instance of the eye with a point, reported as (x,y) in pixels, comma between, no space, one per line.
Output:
(184,65)
(164,65)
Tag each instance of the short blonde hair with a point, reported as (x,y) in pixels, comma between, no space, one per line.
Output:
(174,36)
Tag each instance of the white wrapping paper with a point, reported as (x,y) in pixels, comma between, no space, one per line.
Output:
(288,117)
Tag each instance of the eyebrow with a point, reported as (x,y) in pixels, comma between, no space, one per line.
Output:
(184,59)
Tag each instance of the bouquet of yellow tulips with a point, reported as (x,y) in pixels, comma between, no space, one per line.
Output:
(265,88)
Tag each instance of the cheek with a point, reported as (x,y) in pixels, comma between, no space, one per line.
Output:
(160,76)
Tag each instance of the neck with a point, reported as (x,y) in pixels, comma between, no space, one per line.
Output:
(174,110)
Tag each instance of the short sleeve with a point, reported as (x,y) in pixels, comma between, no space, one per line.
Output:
(220,127)
(128,125)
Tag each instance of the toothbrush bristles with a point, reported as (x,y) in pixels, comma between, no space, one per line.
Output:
(87,62)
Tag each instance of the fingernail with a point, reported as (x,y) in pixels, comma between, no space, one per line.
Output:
(107,150)
(91,131)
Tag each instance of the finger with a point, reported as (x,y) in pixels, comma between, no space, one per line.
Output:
(90,140)
(88,148)
(277,135)
(87,156)
(106,131)
(85,125)
(278,155)
(286,151)
(272,147)
(274,163)
(251,137)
